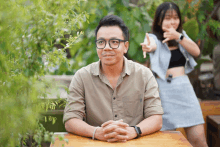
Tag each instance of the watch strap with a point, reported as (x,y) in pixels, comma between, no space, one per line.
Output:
(138,131)
(180,38)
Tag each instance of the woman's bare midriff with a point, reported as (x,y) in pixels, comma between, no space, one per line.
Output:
(176,71)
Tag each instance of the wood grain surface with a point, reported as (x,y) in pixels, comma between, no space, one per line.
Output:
(158,139)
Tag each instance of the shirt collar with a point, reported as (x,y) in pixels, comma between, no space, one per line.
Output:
(96,68)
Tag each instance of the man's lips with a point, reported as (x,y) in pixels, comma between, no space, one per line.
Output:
(107,55)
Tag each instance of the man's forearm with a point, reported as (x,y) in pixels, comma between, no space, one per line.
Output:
(79,127)
(150,124)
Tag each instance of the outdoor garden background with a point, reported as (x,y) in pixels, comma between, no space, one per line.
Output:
(56,37)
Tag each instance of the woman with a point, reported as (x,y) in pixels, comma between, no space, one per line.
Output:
(171,52)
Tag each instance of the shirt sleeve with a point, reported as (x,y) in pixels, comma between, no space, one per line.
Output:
(75,106)
(152,102)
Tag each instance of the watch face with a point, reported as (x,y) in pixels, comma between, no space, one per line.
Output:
(181,37)
(139,130)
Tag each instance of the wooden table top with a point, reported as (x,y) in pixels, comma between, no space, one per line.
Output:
(214,120)
(158,139)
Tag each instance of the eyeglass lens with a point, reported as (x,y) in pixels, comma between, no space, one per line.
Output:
(113,43)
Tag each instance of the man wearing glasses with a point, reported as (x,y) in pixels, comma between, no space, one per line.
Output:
(114,99)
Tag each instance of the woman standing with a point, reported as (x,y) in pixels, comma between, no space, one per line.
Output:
(171,52)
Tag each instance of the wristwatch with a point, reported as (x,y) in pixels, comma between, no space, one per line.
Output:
(138,131)
(180,38)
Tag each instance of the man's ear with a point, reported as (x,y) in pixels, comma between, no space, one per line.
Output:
(126,47)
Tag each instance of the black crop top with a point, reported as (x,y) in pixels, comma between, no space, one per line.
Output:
(177,59)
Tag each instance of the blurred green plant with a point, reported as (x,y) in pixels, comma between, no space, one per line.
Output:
(136,17)
(199,15)
(192,28)
(29,30)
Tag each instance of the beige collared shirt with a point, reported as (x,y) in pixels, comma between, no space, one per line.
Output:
(92,98)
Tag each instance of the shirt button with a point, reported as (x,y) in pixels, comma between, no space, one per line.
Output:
(115,115)
(114,98)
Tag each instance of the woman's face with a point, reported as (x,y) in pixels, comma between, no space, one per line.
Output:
(171,19)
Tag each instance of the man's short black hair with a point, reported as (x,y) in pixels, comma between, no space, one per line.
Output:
(113,20)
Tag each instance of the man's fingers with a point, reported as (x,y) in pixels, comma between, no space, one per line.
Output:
(121,131)
(121,137)
(111,122)
(112,140)
(110,135)
(115,139)
(122,124)
(114,125)
(165,40)
(148,39)
(107,123)
(109,128)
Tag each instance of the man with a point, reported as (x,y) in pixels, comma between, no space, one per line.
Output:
(118,95)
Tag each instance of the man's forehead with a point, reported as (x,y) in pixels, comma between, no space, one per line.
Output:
(110,31)
(109,28)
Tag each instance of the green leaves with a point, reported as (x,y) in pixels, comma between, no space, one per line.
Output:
(29,32)
(192,29)
(134,17)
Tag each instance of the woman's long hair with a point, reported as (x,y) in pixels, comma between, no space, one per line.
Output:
(159,17)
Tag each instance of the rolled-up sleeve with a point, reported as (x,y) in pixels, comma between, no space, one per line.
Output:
(75,106)
(152,102)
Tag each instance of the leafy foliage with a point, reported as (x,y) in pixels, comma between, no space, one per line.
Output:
(139,19)
(201,11)
(29,29)
(192,28)
(136,18)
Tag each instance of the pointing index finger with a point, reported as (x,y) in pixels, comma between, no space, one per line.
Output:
(148,39)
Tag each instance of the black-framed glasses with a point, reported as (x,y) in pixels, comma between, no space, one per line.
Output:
(113,43)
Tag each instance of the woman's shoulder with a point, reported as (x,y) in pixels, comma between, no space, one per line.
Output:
(152,35)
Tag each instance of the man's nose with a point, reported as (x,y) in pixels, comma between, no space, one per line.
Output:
(107,47)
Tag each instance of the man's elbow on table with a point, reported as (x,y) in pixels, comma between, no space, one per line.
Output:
(157,122)
(67,126)
(160,121)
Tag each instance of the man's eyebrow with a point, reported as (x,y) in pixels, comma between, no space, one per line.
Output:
(101,38)
(114,38)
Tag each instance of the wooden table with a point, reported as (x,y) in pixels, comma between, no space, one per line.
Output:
(213,130)
(158,139)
